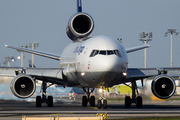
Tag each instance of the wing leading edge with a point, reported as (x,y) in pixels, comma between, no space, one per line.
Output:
(141,73)
(40,53)
(52,75)
(136,48)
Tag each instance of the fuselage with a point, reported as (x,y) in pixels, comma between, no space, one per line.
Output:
(93,62)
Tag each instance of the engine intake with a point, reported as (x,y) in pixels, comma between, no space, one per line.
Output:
(23,86)
(80,25)
(163,86)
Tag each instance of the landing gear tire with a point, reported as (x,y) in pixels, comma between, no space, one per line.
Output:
(84,101)
(139,102)
(38,101)
(99,104)
(133,99)
(50,101)
(92,101)
(105,104)
(127,102)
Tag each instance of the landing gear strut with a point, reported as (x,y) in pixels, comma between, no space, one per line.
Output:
(102,102)
(88,98)
(48,100)
(134,99)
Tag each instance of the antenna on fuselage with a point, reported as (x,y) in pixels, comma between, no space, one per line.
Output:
(79,6)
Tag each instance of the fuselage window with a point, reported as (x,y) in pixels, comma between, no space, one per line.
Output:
(102,52)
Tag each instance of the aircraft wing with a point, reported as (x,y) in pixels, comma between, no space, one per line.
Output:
(40,53)
(53,75)
(136,48)
(141,73)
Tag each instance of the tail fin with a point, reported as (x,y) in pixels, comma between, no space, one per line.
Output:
(79,6)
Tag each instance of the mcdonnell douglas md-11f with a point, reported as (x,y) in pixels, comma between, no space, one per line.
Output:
(89,63)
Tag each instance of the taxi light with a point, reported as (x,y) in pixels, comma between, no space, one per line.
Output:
(124,73)
(83,73)
(100,90)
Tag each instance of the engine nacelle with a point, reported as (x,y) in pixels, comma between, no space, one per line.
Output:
(80,25)
(163,86)
(23,86)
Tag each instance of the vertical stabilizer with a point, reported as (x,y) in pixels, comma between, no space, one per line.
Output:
(79,6)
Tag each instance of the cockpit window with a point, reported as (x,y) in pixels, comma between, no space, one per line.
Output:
(102,52)
(105,52)
(110,52)
(94,52)
(117,53)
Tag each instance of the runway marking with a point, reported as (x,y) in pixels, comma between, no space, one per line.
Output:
(93,107)
(92,112)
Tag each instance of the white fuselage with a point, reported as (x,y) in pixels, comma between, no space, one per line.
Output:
(97,61)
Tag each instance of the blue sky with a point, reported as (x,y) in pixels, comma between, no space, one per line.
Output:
(45,21)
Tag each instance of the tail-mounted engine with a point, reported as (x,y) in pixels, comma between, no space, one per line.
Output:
(163,86)
(23,86)
(80,25)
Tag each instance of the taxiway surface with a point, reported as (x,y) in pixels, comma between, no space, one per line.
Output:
(14,110)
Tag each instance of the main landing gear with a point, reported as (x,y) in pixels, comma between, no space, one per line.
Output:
(86,99)
(48,100)
(134,99)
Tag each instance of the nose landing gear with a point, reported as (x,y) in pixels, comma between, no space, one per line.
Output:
(102,102)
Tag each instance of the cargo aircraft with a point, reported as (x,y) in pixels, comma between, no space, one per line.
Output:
(89,63)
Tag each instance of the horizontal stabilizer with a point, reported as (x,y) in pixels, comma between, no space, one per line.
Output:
(44,54)
(136,48)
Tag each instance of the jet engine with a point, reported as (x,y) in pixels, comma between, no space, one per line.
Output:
(163,86)
(80,25)
(23,86)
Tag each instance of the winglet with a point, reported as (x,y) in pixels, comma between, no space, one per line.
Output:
(79,6)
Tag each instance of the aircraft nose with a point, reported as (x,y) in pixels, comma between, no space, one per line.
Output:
(108,64)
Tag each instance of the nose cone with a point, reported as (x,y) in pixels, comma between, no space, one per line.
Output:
(107,64)
(105,71)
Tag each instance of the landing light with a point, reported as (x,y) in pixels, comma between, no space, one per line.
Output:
(100,90)
(83,73)
(124,73)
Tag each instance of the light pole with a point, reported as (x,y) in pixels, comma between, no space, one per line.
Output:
(9,59)
(33,46)
(145,38)
(171,31)
(24,46)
